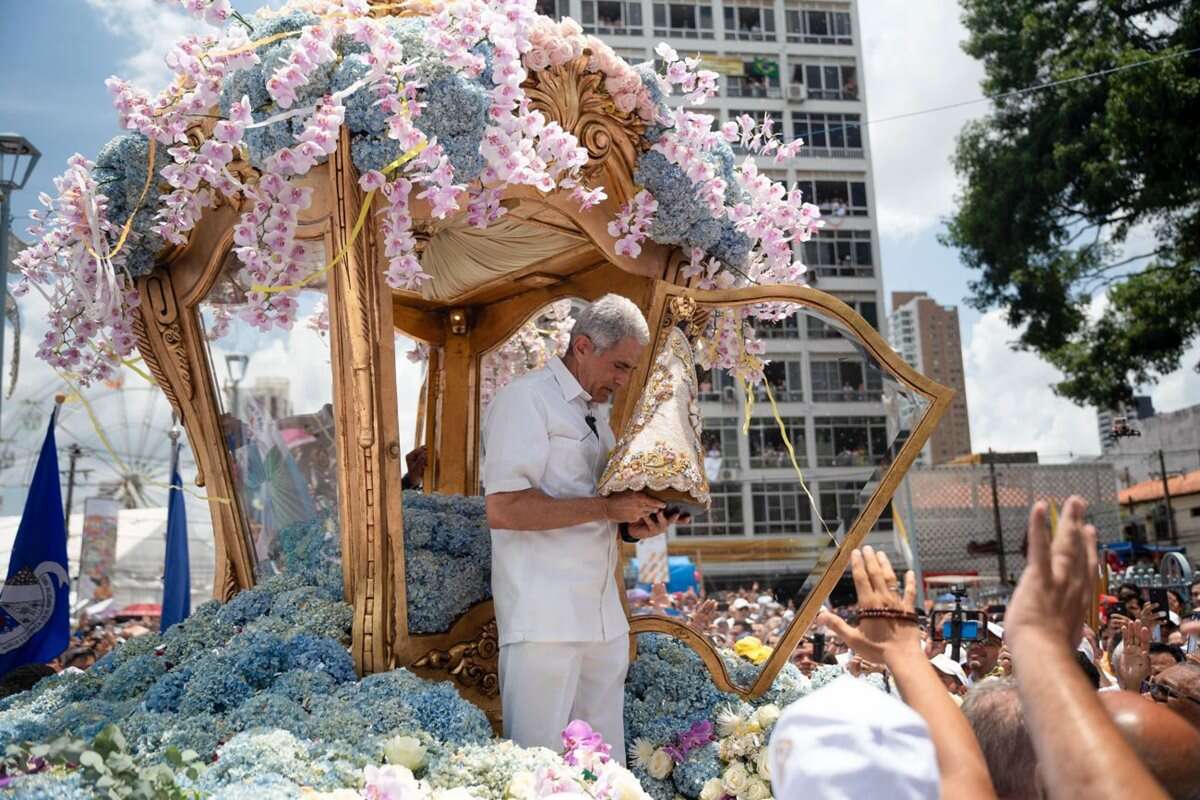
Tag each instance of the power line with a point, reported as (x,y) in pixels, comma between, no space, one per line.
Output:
(1036,88)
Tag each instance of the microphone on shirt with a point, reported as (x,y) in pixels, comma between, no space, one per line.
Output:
(590,419)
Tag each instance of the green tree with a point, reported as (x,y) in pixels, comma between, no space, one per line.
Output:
(1064,187)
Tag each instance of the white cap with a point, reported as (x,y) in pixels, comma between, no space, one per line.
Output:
(1085,647)
(741,602)
(765,599)
(1173,618)
(847,740)
(997,630)
(948,666)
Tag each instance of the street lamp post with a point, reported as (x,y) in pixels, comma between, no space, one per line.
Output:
(17,157)
(235,365)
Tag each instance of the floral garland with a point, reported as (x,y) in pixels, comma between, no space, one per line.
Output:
(435,108)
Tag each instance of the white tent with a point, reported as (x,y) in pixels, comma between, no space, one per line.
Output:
(141,542)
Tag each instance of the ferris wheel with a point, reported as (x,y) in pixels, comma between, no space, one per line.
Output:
(121,449)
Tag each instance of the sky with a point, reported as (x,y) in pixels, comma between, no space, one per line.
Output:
(58,53)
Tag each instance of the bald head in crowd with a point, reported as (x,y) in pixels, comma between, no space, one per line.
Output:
(1179,689)
(1163,740)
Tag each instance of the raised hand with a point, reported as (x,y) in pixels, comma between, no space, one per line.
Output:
(878,638)
(1134,666)
(1058,585)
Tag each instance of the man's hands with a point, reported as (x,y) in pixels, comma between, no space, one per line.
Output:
(1059,582)
(643,514)
(1134,666)
(878,639)
(630,507)
(656,523)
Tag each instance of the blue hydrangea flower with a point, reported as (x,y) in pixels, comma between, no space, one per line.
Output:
(701,765)
(245,606)
(121,172)
(320,653)
(215,687)
(259,657)
(132,678)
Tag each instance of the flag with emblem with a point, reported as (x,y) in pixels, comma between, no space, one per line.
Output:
(35,623)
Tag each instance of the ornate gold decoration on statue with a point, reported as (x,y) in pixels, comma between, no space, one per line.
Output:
(472,663)
(660,452)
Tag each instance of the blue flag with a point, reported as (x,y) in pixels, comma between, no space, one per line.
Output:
(177,582)
(35,615)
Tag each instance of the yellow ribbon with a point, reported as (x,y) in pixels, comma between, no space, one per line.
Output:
(133,367)
(749,406)
(358,226)
(787,442)
(128,226)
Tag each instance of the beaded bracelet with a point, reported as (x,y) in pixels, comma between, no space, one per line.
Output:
(888,613)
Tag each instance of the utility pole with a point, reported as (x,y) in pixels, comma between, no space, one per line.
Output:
(996,518)
(74,453)
(1162,466)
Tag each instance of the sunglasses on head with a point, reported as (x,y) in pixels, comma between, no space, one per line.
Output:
(1161,692)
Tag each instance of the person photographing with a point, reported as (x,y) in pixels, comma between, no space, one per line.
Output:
(564,648)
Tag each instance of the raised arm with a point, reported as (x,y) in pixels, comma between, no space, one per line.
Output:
(1070,729)
(896,642)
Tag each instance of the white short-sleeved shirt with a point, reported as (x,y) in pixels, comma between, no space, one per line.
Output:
(554,585)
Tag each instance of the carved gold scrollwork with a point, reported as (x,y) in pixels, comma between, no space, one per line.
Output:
(473,664)
(575,98)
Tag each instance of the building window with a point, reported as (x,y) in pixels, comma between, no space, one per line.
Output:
(552,8)
(818,328)
(759,78)
(818,26)
(846,380)
(837,198)
(720,439)
(612,17)
(767,449)
(683,21)
(842,502)
(850,441)
(750,23)
(828,81)
(715,386)
(723,518)
(840,254)
(780,508)
(786,328)
(828,135)
(786,379)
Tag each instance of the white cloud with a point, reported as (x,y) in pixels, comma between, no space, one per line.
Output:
(1010,400)
(913,62)
(152,27)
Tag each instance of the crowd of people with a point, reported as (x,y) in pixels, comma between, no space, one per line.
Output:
(1033,703)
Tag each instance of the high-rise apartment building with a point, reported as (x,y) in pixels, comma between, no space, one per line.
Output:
(926,335)
(801,64)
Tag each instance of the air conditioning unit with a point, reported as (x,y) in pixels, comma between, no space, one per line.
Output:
(797,92)
(729,395)
(728,474)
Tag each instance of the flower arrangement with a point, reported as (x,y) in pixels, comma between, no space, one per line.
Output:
(436,112)
(447,558)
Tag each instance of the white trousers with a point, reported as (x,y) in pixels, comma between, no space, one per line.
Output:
(545,685)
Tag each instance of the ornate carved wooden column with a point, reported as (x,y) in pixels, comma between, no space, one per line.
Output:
(364,402)
(457,409)
(172,345)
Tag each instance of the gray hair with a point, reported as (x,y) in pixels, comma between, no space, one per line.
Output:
(609,320)
(994,710)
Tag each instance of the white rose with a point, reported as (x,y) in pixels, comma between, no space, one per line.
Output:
(625,786)
(762,765)
(405,751)
(660,765)
(757,790)
(457,793)
(713,789)
(522,786)
(766,715)
(735,778)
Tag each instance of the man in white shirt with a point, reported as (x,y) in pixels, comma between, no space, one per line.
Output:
(564,645)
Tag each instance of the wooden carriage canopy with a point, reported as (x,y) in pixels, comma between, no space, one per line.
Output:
(484,286)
